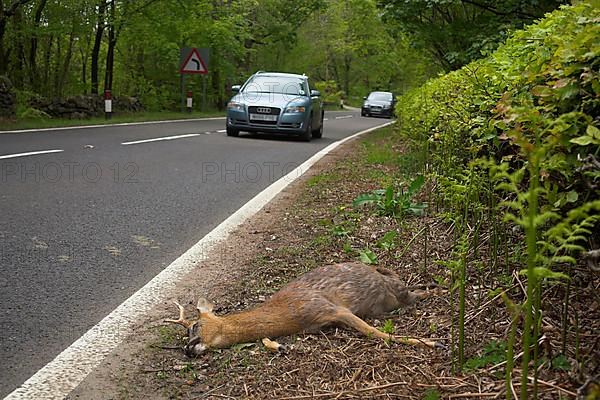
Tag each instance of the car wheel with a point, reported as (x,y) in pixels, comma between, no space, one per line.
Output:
(317,134)
(232,131)
(307,134)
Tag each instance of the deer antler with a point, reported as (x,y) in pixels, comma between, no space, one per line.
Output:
(181,321)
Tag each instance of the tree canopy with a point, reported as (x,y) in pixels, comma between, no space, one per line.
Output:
(59,48)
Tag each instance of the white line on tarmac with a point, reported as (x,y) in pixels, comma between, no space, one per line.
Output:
(66,128)
(344,117)
(161,138)
(222,130)
(31,153)
(63,374)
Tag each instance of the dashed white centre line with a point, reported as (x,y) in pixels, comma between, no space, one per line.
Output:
(222,130)
(161,138)
(344,117)
(31,153)
(325,119)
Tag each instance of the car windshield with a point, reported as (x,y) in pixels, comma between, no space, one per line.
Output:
(378,96)
(277,84)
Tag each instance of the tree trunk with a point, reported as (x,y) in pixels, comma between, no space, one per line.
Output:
(347,65)
(5,14)
(56,71)
(45,86)
(97,43)
(67,63)
(110,52)
(34,80)
(3,53)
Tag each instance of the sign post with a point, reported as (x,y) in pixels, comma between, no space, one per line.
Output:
(192,61)
(189,101)
(107,104)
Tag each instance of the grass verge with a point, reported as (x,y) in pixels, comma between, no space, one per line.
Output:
(8,125)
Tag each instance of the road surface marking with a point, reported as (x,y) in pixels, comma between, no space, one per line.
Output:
(64,128)
(344,116)
(222,130)
(63,374)
(31,153)
(325,119)
(161,138)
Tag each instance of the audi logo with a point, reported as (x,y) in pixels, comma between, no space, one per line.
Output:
(263,110)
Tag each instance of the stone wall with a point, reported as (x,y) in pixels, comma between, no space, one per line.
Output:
(85,106)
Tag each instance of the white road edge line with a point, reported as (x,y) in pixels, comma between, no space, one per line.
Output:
(344,117)
(66,128)
(161,138)
(63,374)
(31,153)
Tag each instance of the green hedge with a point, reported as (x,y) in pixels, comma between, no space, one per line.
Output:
(538,93)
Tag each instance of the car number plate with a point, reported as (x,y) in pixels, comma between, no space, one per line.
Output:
(263,117)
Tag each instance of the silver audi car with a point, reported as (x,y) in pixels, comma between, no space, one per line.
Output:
(274,102)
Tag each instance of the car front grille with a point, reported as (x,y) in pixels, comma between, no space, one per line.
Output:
(261,110)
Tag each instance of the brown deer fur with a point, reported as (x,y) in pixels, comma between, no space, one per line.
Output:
(339,294)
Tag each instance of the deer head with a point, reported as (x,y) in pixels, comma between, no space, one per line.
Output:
(194,345)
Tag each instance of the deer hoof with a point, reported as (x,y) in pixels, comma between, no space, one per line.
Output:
(274,346)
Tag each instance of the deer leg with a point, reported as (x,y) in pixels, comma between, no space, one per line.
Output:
(273,345)
(346,317)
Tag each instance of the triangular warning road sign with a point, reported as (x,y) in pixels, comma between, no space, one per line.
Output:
(193,64)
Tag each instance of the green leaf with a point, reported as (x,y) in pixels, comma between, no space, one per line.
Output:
(582,140)
(242,346)
(416,184)
(593,131)
(545,273)
(365,198)
(561,363)
(387,241)
(368,257)
(572,196)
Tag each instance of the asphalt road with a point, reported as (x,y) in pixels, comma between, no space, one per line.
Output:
(84,228)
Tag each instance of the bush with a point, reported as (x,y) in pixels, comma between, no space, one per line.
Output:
(538,90)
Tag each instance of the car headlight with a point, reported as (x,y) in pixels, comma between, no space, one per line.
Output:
(235,106)
(295,109)
(386,106)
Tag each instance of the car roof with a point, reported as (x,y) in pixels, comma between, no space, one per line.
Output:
(281,74)
(380,92)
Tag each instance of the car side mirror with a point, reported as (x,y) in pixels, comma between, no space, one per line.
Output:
(364,97)
(315,93)
(236,88)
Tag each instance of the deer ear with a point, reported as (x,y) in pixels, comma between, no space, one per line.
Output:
(204,306)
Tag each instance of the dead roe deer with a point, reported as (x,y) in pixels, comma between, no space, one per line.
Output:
(339,294)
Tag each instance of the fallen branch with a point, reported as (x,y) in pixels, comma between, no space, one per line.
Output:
(469,395)
(344,392)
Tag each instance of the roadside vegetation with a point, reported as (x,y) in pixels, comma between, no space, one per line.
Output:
(40,123)
(511,144)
